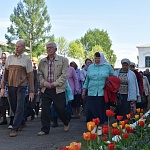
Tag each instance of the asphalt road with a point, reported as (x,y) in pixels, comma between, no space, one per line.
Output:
(27,139)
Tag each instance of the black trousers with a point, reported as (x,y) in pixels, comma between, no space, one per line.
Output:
(59,101)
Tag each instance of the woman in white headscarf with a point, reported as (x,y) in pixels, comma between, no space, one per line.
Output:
(94,83)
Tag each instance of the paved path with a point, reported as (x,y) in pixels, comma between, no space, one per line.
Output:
(28,139)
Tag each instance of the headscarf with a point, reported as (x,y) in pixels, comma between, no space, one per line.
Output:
(102,59)
(125,60)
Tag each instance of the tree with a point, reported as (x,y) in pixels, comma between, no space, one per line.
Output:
(30,21)
(62,46)
(96,37)
(99,37)
(95,49)
(111,57)
(76,50)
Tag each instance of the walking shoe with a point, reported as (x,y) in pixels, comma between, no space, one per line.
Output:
(3,122)
(13,133)
(66,128)
(21,127)
(10,127)
(42,133)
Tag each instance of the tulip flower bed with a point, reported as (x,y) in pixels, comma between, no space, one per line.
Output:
(125,134)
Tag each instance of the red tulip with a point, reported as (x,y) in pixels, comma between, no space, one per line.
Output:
(128,129)
(128,116)
(93,135)
(131,130)
(105,130)
(119,118)
(126,121)
(113,131)
(118,132)
(63,148)
(111,146)
(96,120)
(105,138)
(141,123)
(125,135)
(110,113)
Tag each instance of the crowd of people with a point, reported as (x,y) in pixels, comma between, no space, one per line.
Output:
(65,91)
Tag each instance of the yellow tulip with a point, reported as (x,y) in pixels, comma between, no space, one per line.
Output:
(90,125)
(115,125)
(136,116)
(127,125)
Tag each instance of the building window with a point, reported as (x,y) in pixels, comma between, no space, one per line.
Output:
(147,61)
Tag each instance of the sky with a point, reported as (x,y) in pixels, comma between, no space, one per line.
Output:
(127,22)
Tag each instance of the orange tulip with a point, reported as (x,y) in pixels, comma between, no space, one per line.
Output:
(110,113)
(122,123)
(75,146)
(90,125)
(128,116)
(87,136)
(141,114)
(138,110)
(119,118)
(115,125)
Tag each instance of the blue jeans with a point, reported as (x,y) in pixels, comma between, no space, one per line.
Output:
(17,101)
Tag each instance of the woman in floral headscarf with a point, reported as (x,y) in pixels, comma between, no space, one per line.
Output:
(94,83)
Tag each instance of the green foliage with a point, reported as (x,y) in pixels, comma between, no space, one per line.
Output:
(96,48)
(30,21)
(76,50)
(98,37)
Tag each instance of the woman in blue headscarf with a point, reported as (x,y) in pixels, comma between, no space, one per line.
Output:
(94,83)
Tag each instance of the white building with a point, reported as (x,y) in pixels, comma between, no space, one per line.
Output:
(144,57)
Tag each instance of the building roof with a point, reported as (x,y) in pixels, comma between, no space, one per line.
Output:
(143,46)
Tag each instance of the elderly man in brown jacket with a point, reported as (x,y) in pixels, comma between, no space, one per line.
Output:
(52,73)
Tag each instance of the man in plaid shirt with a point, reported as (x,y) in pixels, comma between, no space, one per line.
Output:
(52,74)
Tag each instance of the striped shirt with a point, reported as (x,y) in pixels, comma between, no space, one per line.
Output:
(20,71)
